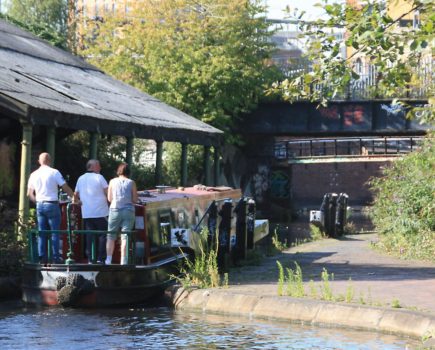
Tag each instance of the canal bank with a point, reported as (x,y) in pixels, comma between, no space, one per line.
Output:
(378,282)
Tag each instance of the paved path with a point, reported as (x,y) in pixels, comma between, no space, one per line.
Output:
(376,279)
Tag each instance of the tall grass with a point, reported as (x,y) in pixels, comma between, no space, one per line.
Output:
(202,271)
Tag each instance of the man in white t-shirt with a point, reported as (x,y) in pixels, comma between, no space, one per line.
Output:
(91,190)
(42,189)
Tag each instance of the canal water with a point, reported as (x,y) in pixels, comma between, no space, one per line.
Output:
(163,328)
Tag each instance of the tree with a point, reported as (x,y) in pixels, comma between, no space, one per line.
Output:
(204,57)
(45,18)
(395,53)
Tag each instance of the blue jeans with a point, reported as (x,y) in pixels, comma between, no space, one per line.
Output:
(48,215)
(120,219)
(99,224)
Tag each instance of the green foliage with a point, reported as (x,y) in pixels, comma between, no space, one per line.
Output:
(7,155)
(203,271)
(45,18)
(325,289)
(281,278)
(313,290)
(295,286)
(371,34)
(204,57)
(172,164)
(395,303)
(316,233)
(404,207)
(73,153)
(277,245)
(12,250)
(350,292)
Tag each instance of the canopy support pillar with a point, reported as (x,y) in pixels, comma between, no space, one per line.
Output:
(93,146)
(216,166)
(183,164)
(159,163)
(26,155)
(206,165)
(129,151)
(51,143)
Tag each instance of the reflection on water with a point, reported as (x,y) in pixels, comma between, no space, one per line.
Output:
(162,328)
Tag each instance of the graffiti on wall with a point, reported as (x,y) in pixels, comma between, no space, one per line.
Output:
(331,112)
(353,115)
(279,184)
(394,109)
(260,183)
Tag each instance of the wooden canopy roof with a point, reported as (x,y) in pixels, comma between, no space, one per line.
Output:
(44,85)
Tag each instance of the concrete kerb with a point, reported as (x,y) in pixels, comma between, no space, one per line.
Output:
(405,322)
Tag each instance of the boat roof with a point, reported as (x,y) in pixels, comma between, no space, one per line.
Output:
(45,85)
(153,196)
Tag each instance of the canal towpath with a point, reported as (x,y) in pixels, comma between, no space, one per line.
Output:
(389,294)
(375,278)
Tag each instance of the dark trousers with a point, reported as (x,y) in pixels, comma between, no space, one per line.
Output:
(98,224)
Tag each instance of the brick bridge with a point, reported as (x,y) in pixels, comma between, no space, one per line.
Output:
(295,153)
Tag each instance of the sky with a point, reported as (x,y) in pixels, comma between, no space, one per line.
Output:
(276,8)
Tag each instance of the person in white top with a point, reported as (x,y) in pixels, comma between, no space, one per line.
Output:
(91,191)
(42,189)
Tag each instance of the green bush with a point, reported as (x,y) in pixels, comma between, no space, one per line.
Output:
(404,207)
(12,250)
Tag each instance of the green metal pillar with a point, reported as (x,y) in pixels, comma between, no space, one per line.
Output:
(26,156)
(51,143)
(129,151)
(206,166)
(216,166)
(93,147)
(159,163)
(183,164)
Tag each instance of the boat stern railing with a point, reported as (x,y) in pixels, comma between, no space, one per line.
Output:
(48,234)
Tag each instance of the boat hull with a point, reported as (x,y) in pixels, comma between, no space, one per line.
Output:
(101,285)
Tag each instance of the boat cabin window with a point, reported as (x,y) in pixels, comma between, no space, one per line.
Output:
(164,229)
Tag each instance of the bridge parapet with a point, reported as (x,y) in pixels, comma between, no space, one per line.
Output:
(345,147)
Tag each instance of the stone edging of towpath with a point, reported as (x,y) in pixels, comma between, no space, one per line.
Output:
(308,311)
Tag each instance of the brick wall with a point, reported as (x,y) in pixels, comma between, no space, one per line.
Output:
(309,182)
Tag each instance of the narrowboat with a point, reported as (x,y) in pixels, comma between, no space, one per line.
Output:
(167,231)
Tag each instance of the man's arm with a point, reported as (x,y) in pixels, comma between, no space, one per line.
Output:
(68,190)
(76,198)
(31,194)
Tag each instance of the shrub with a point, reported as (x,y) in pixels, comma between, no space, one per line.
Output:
(404,207)
(12,250)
